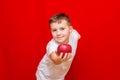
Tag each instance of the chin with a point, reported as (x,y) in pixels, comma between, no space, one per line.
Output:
(63,42)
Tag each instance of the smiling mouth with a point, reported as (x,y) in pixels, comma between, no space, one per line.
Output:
(59,37)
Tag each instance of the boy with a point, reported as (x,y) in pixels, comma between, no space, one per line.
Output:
(54,66)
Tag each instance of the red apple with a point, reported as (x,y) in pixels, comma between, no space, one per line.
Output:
(65,48)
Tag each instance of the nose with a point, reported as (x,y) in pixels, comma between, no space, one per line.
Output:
(58,32)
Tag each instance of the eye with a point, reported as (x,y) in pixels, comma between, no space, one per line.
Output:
(62,28)
(54,30)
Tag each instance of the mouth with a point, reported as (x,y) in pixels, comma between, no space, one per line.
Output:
(60,37)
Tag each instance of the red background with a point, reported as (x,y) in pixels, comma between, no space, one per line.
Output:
(24,33)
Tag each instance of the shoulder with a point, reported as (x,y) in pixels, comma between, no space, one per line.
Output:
(52,43)
(51,46)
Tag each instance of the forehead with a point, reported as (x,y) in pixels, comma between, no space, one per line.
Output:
(60,23)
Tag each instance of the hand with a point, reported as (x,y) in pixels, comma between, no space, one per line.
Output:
(58,59)
(65,57)
(55,58)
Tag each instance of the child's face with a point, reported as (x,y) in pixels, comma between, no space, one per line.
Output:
(61,31)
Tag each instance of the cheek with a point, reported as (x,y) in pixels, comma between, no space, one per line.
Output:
(67,33)
(53,34)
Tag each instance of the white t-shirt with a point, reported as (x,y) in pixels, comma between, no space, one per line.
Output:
(47,70)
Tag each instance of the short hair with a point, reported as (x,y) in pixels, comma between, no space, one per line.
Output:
(58,17)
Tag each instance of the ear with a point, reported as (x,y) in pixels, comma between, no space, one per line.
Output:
(71,28)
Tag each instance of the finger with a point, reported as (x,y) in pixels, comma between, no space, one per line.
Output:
(69,55)
(65,56)
(61,54)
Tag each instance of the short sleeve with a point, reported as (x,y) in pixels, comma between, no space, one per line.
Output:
(75,34)
(51,46)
